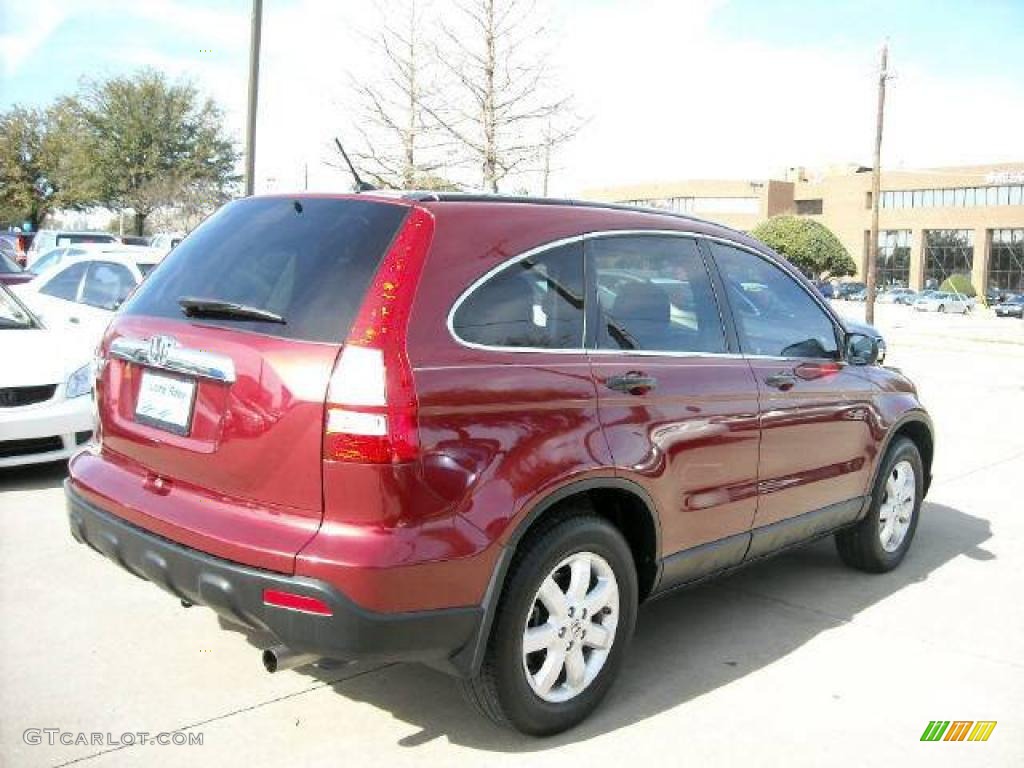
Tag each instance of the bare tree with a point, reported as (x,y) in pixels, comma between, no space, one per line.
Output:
(504,97)
(399,146)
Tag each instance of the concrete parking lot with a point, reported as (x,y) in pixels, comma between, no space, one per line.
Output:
(795,662)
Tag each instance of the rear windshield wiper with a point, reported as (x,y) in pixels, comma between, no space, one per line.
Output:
(194,307)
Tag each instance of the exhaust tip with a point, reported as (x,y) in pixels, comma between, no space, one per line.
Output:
(280,657)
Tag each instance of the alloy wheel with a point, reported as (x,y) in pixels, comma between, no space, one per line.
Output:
(570,627)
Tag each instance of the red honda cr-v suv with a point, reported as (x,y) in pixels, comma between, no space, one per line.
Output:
(478,432)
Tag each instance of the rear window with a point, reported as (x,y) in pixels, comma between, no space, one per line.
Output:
(308,260)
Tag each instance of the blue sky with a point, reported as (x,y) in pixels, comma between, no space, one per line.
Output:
(801,72)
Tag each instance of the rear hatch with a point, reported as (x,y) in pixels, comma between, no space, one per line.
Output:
(212,408)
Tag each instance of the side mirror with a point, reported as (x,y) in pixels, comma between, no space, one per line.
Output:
(861,349)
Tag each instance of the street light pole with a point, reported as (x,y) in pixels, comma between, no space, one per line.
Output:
(872,260)
(254,82)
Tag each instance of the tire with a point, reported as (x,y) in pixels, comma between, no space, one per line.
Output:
(867,546)
(942,308)
(503,691)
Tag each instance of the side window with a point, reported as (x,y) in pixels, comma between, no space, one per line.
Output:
(107,285)
(774,315)
(533,302)
(654,294)
(64,284)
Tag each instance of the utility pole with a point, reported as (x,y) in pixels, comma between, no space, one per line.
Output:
(254,84)
(870,267)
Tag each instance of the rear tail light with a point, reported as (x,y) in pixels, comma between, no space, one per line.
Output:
(371,400)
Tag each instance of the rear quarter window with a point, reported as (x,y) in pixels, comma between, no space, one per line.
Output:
(308,260)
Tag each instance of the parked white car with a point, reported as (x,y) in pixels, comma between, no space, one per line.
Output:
(46,408)
(944,302)
(82,291)
(145,257)
(48,239)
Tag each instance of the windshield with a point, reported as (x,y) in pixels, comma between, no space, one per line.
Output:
(13,313)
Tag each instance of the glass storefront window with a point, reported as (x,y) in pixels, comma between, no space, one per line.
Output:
(893,265)
(947,252)
(1006,260)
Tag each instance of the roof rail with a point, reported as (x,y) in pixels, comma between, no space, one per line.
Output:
(423,196)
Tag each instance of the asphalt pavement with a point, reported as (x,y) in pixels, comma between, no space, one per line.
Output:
(794,662)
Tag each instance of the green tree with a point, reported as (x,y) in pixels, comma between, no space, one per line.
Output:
(809,245)
(152,142)
(41,163)
(958,283)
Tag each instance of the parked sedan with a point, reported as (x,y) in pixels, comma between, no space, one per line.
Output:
(82,291)
(1011,308)
(48,239)
(940,301)
(894,295)
(45,400)
(846,290)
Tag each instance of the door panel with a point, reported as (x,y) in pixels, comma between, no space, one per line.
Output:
(815,410)
(816,441)
(678,410)
(692,441)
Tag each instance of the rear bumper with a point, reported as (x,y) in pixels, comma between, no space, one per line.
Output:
(235,592)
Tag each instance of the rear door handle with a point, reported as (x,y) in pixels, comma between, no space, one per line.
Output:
(632,383)
(781,380)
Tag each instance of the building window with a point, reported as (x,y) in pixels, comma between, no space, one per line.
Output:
(947,252)
(809,207)
(951,197)
(892,268)
(1006,260)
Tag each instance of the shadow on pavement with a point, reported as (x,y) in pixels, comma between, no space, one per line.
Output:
(33,477)
(686,644)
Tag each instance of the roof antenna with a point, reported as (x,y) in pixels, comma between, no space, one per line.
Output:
(360,185)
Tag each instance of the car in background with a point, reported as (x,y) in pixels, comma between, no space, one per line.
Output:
(941,301)
(145,258)
(48,239)
(82,291)
(894,295)
(1013,307)
(859,295)
(16,245)
(994,296)
(845,290)
(134,240)
(826,289)
(46,409)
(907,297)
(11,272)
(165,241)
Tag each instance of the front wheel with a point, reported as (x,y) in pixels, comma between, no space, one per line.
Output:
(880,541)
(942,308)
(564,622)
